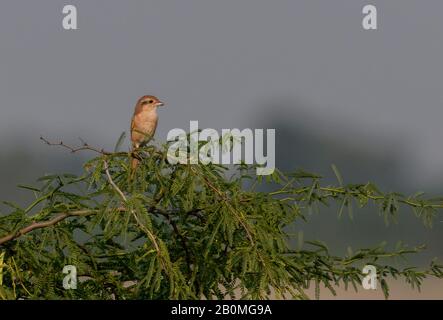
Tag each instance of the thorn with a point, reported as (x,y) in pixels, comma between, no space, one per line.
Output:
(83,142)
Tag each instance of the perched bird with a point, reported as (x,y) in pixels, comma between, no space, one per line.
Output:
(143,124)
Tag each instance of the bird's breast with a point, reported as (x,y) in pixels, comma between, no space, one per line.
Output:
(144,124)
(146,117)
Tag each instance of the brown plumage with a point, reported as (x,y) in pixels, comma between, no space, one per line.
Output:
(143,123)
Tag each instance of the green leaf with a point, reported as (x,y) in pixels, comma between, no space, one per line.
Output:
(120,141)
(23,186)
(385,288)
(337,174)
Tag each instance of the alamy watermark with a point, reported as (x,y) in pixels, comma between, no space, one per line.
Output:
(208,146)
(70,280)
(369,282)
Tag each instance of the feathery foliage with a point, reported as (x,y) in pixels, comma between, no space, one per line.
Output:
(187,232)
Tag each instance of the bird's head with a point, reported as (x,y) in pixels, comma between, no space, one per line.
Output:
(150,101)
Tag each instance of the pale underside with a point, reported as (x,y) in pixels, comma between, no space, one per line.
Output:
(143,127)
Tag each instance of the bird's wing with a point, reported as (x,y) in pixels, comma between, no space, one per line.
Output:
(132,125)
(132,131)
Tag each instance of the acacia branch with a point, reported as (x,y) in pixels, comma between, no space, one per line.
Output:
(62,216)
(223,196)
(44,224)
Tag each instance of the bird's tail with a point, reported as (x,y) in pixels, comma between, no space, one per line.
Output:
(134,163)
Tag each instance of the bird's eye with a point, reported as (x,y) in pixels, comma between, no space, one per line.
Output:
(151,101)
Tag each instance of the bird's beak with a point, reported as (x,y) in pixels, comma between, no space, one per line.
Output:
(160,104)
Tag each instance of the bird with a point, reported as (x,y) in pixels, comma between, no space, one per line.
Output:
(143,124)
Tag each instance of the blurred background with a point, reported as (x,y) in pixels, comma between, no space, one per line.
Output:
(370,102)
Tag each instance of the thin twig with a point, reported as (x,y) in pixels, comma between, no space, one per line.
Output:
(123,197)
(179,235)
(85,146)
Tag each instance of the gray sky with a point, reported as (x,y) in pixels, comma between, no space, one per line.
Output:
(369,101)
(218,61)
